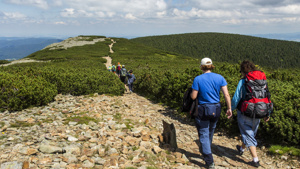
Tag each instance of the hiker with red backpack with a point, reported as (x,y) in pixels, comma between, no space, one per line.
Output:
(252,100)
(118,71)
(206,88)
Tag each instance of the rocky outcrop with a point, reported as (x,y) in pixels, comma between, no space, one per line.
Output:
(111,132)
(74,41)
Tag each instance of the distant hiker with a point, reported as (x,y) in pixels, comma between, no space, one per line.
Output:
(123,73)
(248,120)
(113,68)
(109,68)
(206,88)
(118,69)
(131,79)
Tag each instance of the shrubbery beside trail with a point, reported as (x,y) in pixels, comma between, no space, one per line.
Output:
(75,71)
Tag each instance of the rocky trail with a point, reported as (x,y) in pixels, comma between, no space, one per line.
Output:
(101,131)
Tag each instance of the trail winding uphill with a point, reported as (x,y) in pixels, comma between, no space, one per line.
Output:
(104,132)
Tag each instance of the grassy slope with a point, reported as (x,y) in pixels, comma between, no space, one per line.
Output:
(231,48)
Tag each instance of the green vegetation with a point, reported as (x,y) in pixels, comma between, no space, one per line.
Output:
(2,137)
(277,149)
(129,124)
(2,62)
(1,124)
(76,71)
(230,48)
(164,76)
(18,124)
(118,116)
(80,119)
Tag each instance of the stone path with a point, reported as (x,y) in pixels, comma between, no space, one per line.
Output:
(120,132)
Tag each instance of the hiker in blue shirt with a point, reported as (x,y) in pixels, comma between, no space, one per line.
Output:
(206,87)
(248,126)
(131,79)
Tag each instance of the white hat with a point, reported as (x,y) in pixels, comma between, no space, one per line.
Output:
(206,61)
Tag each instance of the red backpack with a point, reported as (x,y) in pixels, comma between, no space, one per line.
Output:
(257,103)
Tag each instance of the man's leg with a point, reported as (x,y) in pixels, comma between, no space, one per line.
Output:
(204,137)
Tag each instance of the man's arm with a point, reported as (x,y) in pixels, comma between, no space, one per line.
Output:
(194,94)
(227,100)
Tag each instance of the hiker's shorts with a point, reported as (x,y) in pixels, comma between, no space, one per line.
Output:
(248,128)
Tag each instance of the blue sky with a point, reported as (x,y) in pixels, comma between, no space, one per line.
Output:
(66,18)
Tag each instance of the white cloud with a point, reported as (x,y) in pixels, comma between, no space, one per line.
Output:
(146,8)
(68,12)
(15,15)
(198,13)
(60,23)
(289,9)
(161,14)
(37,3)
(171,15)
(130,16)
(232,21)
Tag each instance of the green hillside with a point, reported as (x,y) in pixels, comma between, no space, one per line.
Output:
(230,48)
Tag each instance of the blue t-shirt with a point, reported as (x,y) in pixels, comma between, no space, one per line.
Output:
(208,86)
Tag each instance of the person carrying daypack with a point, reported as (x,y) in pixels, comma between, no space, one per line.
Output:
(252,99)
(206,88)
(189,105)
(123,73)
(118,69)
(131,79)
(113,68)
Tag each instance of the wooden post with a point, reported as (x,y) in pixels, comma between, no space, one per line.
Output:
(169,134)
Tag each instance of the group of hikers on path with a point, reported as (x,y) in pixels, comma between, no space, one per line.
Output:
(251,99)
(122,73)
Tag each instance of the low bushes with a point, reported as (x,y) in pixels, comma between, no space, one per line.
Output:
(20,91)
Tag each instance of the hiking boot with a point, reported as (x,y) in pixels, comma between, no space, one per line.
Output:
(254,164)
(239,150)
(211,166)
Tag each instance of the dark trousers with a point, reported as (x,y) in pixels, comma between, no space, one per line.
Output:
(130,85)
(123,78)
